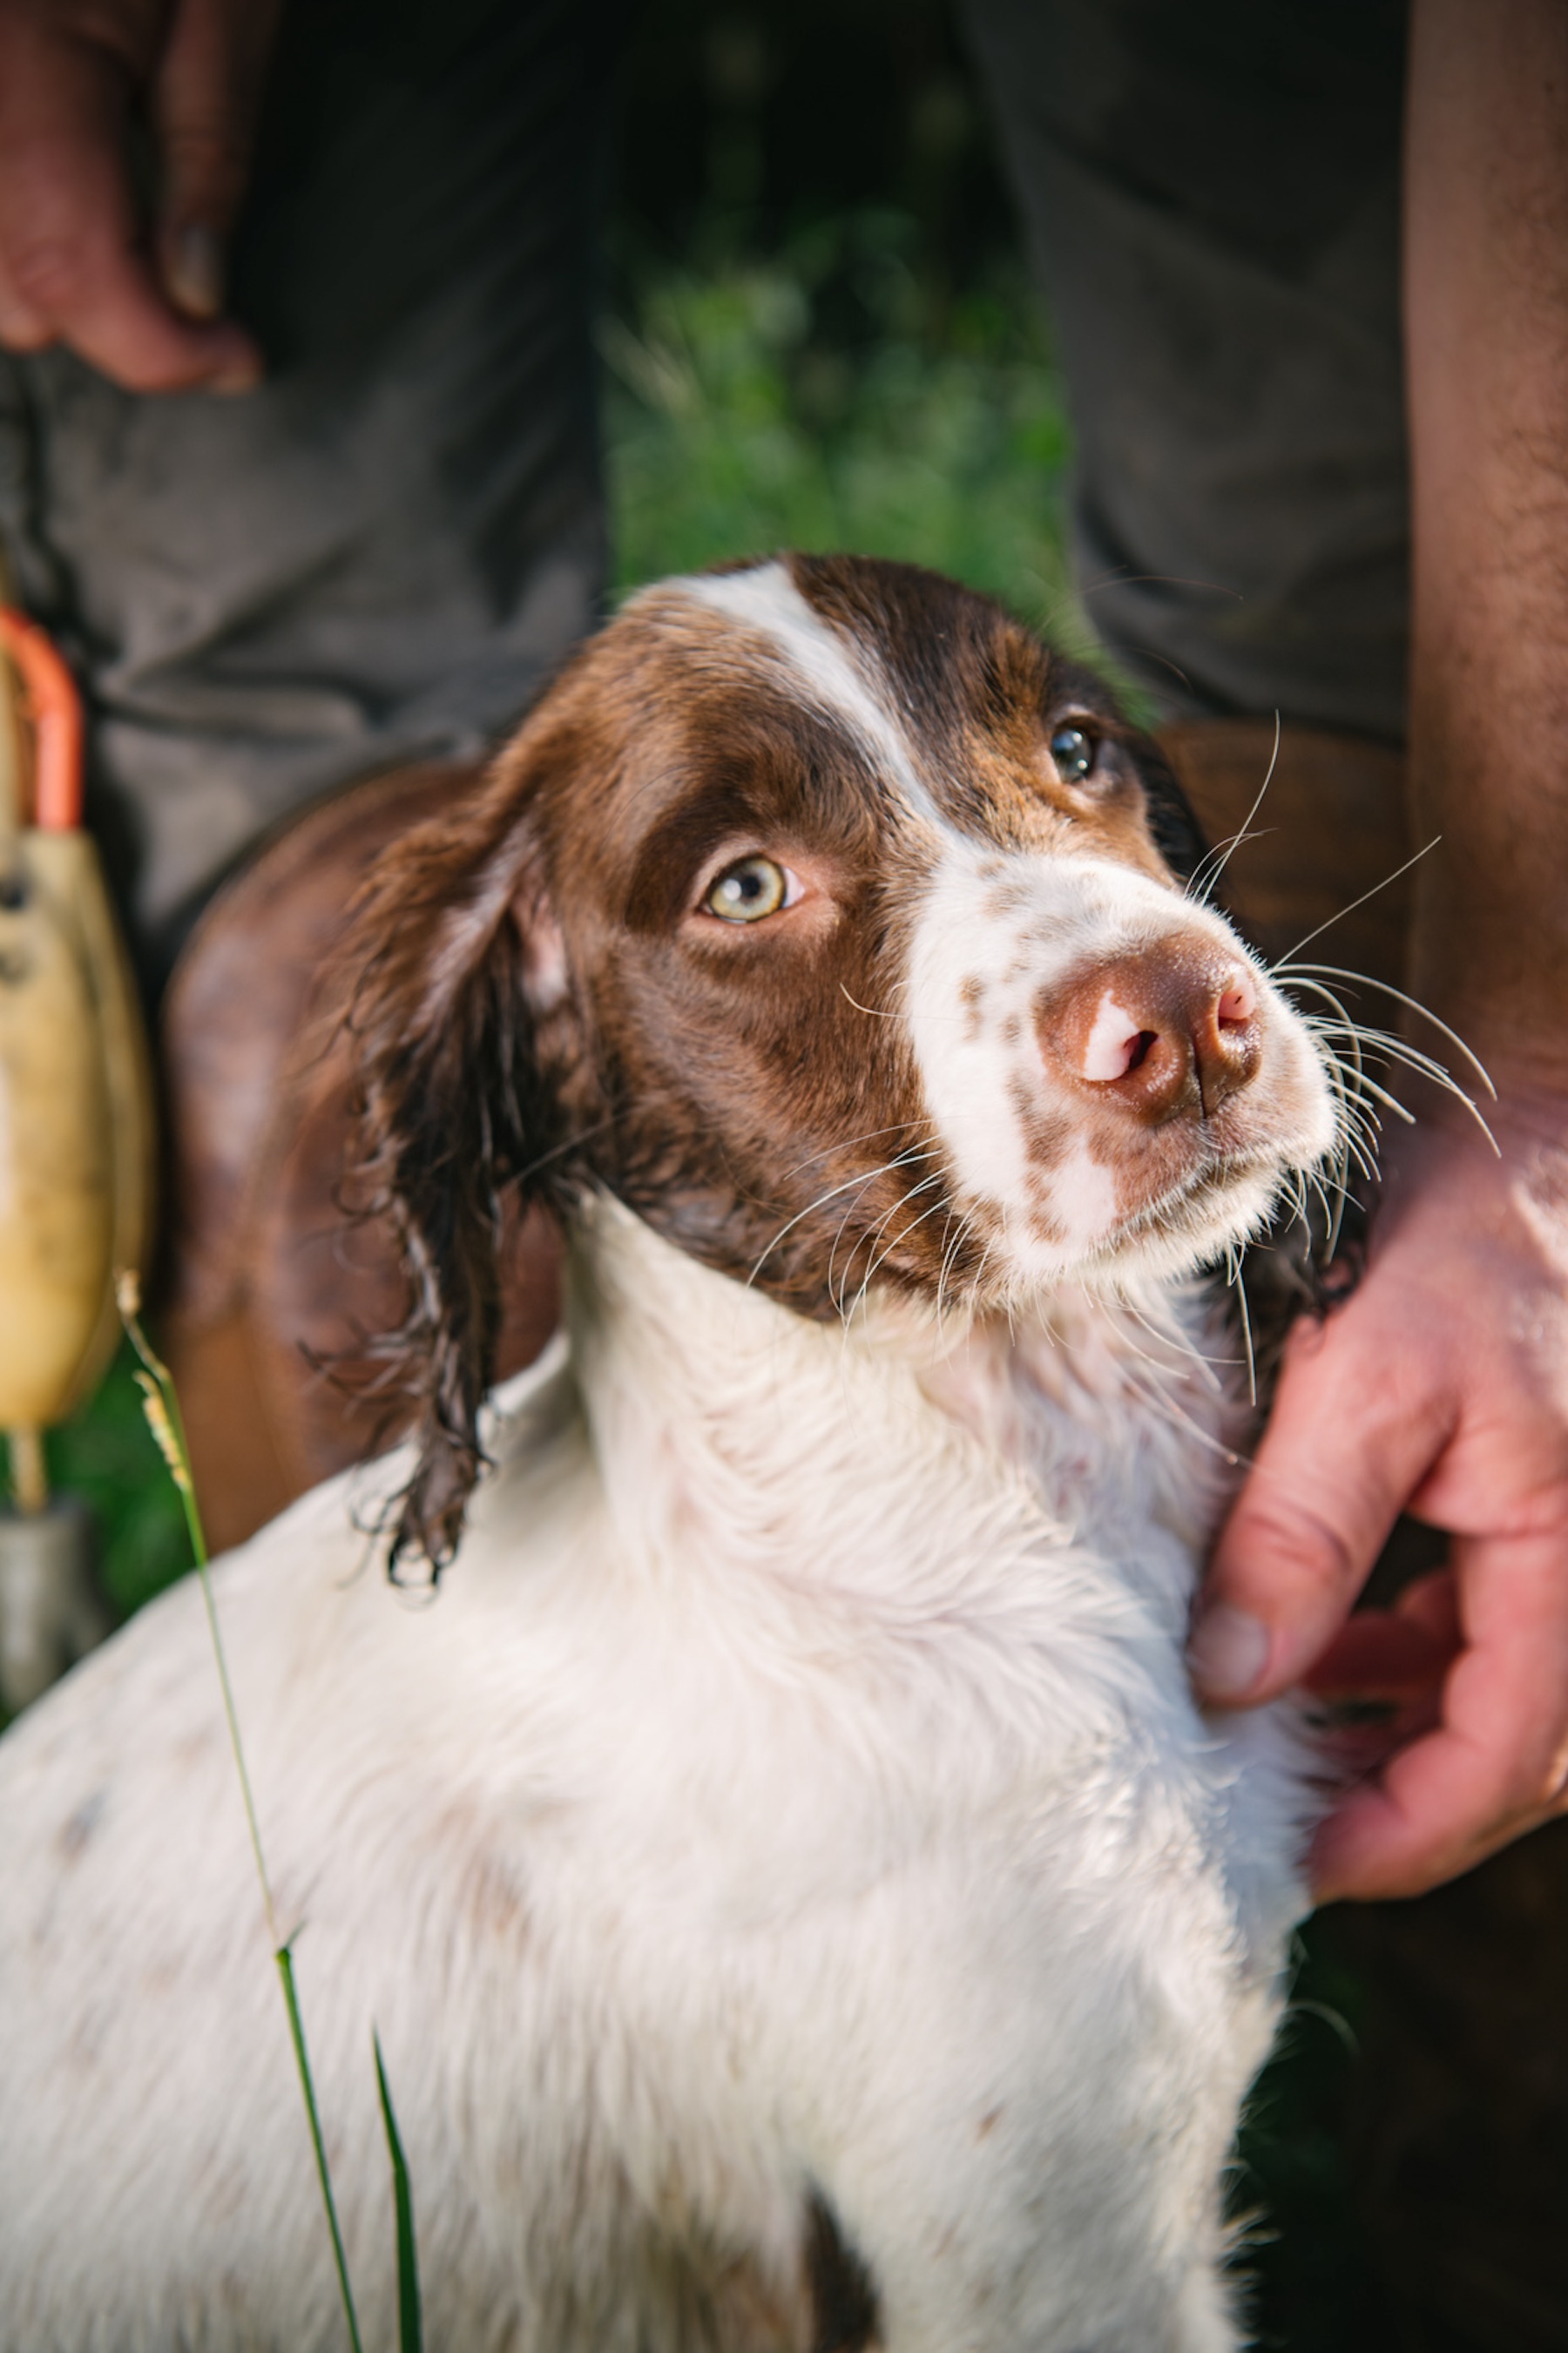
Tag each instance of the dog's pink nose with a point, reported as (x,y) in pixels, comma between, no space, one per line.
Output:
(1171,1030)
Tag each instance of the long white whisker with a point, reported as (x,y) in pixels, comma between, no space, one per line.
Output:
(1166,1405)
(1212,883)
(1364,980)
(873,1260)
(902,1235)
(831,1195)
(905,1160)
(847,1143)
(1413,860)
(1394,1048)
(1240,1290)
(1397,1048)
(954,1245)
(1184,1349)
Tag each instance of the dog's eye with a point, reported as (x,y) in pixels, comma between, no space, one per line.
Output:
(747,892)
(1073,752)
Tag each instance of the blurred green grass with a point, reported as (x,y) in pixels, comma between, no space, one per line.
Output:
(106,1454)
(739,420)
(826,396)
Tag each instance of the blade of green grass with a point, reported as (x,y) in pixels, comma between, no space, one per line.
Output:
(285,1960)
(410,2320)
(161,1405)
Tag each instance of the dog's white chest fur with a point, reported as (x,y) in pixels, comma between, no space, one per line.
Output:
(784,1865)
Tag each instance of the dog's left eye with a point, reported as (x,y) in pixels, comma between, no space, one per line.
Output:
(748,890)
(1073,752)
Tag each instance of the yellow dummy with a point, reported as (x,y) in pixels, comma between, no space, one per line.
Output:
(76,1146)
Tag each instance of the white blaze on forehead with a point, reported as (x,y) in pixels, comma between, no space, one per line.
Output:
(766,599)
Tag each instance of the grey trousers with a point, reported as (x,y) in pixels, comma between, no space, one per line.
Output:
(382,551)
(1211,192)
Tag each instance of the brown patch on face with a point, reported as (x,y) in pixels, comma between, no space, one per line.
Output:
(545,1002)
(984,697)
(747,1088)
(971,999)
(1047,1136)
(741,1087)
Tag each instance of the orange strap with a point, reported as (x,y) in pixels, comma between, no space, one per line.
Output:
(54,707)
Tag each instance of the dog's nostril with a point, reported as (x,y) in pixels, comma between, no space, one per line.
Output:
(1238,1003)
(1163,1034)
(1117,1042)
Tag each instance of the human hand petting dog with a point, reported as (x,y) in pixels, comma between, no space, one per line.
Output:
(136,288)
(1441,1387)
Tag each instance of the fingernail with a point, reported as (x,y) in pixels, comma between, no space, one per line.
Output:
(1229,1650)
(196,272)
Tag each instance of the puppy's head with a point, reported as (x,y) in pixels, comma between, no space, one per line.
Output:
(837,926)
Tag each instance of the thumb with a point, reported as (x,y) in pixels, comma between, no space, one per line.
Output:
(1356,1424)
(207,102)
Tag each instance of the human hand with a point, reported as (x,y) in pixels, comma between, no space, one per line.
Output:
(77,263)
(1440,1389)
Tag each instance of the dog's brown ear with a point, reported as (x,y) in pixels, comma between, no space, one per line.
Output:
(449,1123)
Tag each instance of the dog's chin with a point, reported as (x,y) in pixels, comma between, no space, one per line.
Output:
(1190,1224)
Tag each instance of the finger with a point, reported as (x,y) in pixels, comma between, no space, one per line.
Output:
(207,102)
(1355,1426)
(1497,1762)
(68,247)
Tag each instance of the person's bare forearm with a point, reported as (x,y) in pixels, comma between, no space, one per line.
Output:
(1440,1386)
(1487,347)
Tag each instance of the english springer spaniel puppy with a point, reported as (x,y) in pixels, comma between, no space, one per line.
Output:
(800,1903)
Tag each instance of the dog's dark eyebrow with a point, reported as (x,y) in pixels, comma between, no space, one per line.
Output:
(708,811)
(766,782)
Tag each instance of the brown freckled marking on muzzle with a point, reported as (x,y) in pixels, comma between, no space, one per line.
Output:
(1043,1227)
(1047,1134)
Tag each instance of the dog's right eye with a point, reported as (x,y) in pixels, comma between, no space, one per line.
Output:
(1073,750)
(748,890)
